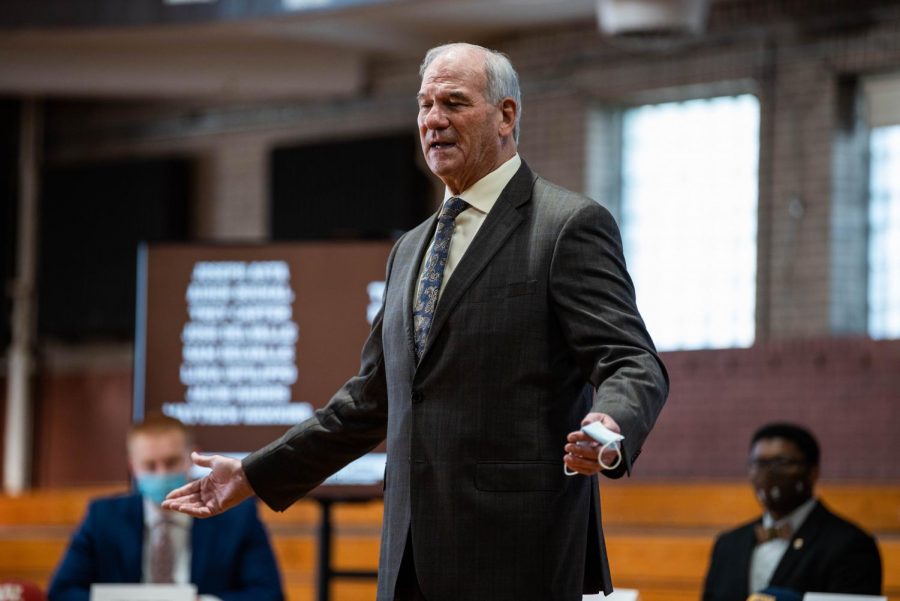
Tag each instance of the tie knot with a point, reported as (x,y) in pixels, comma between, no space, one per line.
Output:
(453,207)
(782,531)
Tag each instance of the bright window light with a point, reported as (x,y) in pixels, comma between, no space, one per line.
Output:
(884,233)
(688,218)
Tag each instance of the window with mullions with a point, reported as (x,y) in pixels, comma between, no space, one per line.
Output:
(884,232)
(688,214)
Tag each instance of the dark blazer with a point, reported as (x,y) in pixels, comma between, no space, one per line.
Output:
(230,553)
(835,557)
(539,307)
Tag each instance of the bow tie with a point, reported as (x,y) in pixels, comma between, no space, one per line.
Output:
(783,531)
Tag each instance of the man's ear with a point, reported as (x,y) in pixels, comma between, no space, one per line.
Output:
(813,475)
(508,111)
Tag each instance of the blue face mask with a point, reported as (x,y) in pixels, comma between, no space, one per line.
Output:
(156,486)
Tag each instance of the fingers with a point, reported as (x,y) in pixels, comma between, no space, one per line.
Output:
(604,419)
(578,436)
(191,488)
(191,504)
(581,456)
(192,509)
(582,451)
(588,457)
(581,465)
(174,500)
(190,498)
(202,460)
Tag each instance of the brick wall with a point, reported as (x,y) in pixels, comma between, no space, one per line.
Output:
(845,390)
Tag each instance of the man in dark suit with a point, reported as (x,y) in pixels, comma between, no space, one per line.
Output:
(798,544)
(129,539)
(480,381)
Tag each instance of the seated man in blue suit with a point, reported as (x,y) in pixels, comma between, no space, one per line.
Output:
(798,546)
(130,539)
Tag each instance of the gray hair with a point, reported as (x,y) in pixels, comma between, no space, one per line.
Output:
(502,79)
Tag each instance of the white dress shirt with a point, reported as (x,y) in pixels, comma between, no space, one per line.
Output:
(767,555)
(180,536)
(481,197)
(179,533)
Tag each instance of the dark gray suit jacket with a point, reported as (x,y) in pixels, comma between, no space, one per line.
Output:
(539,307)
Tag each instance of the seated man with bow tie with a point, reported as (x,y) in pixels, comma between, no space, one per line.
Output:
(798,544)
(131,539)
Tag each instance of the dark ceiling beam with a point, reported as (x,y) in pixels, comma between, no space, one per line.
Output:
(47,14)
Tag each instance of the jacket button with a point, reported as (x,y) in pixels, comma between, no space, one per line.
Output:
(417,397)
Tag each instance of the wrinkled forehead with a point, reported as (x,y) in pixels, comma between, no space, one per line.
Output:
(459,68)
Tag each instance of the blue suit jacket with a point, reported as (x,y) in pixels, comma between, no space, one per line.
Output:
(230,554)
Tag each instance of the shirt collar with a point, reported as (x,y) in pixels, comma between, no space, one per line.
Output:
(153,513)
(484,193)
(795,518)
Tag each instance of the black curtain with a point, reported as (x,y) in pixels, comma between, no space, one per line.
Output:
(9,190)
(357,189)
(93,217)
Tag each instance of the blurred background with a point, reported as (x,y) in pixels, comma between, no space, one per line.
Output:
(749,149)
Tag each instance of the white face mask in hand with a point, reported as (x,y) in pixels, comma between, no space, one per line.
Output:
(607,439)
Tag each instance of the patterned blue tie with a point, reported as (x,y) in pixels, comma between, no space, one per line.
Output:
(433,272)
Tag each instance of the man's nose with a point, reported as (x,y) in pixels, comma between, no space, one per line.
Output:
(435,118)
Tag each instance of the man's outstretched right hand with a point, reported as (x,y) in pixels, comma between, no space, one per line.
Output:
(223,488)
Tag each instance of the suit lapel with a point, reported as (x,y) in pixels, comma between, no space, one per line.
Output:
(493,234)
(131,531)
(202,536)
(742,560)
(802,540)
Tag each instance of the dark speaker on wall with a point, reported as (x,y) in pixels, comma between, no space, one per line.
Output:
(368,188)
(9,161)
(93,217)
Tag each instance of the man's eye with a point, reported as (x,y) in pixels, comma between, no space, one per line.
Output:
(775,463)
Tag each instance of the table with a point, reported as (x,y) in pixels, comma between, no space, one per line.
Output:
(326,496)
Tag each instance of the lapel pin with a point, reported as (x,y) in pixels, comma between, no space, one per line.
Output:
(798,544)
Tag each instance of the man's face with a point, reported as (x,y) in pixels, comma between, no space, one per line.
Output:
(780,474)
(158,453)
(461,131)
